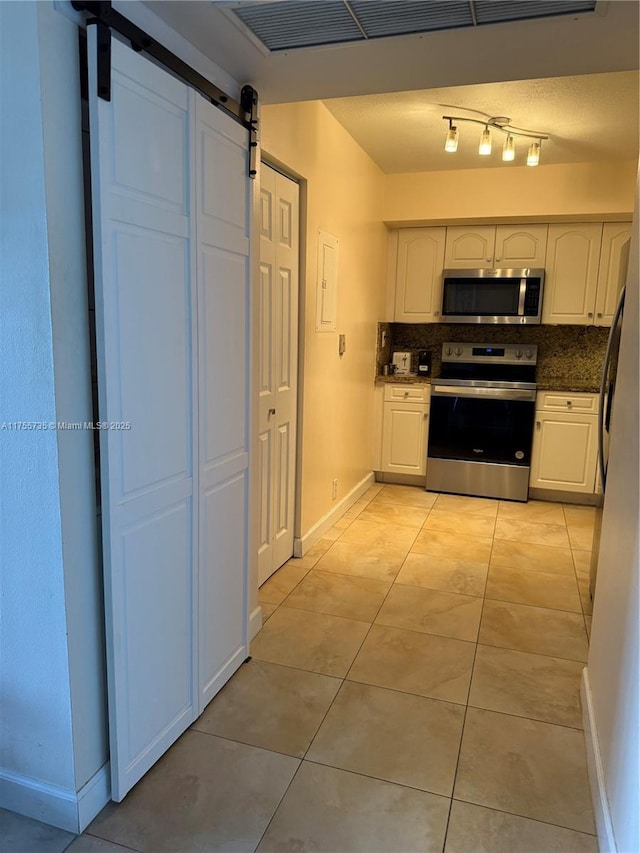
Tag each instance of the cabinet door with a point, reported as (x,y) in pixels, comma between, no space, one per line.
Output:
(470,248)
(404,438)
(564,452)
(573,252)
(614,260)
(524,246)
(419,275)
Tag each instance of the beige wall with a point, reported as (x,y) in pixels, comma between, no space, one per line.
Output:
(574,191)
(344,192)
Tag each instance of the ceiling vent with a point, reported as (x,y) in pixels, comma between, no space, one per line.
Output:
(292,24)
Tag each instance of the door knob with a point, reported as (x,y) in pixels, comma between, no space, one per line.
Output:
(272,411)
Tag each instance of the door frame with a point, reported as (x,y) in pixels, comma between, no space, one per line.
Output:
(255,618)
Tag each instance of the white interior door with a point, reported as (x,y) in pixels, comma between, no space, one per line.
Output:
(223,298)
(278,385)
(169,187)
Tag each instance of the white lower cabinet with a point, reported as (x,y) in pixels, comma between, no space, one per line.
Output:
(404,429)
(565,442)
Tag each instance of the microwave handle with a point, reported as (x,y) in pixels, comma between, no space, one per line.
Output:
(521,298)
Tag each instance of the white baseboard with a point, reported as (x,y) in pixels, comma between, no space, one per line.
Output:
(94,796)
(69,810)
(606,838)
(302,545)
(255,622)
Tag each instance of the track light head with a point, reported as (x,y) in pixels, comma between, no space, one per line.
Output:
(509,149)
(485,142)
(533,156)
(451,143)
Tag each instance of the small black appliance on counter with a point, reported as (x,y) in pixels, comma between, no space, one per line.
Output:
(424,363)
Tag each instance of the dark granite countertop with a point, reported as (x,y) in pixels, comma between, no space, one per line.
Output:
(411,379)
(566,386)
(560,384)
(570,358)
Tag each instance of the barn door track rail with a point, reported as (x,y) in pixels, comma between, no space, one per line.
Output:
(106,18)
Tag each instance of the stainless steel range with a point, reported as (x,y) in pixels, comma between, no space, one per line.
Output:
(481,420)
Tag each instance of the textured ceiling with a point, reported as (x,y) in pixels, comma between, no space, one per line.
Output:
(588,118)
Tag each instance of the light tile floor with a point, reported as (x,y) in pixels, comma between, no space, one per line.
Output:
(415,687)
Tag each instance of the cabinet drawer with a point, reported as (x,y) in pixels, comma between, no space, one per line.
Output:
(557,402)
(409,393)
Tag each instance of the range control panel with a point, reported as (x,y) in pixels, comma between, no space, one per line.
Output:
(489,353)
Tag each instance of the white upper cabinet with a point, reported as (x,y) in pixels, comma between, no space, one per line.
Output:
(418,280)
(612,271)
(470,247)
(519,247)
(573,253)
(585,266)
(488,246)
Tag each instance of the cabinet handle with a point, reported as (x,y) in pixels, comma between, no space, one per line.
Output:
(590,314)
(599,313)
(498,260)
(406,393)
(538,424)
(272,411)
(426,415)
(488,260)
(436,313)
(569,403)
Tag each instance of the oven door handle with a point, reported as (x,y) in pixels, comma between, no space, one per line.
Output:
(485,393)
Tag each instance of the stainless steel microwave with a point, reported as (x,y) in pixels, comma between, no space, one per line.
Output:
(492,296)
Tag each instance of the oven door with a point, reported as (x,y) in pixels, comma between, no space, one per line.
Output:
(481,424)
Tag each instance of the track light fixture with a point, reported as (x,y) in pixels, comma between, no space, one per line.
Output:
(503,124)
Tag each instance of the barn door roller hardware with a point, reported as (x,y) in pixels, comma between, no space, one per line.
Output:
(107,19)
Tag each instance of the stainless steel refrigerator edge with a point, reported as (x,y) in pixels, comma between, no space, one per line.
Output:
(611,695)
(605,408)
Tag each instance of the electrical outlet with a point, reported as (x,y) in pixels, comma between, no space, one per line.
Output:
(334,490)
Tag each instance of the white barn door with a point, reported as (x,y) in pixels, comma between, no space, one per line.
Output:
(278,372)
(223,226)
(173,462)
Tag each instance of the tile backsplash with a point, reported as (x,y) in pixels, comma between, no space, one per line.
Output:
(566,354)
